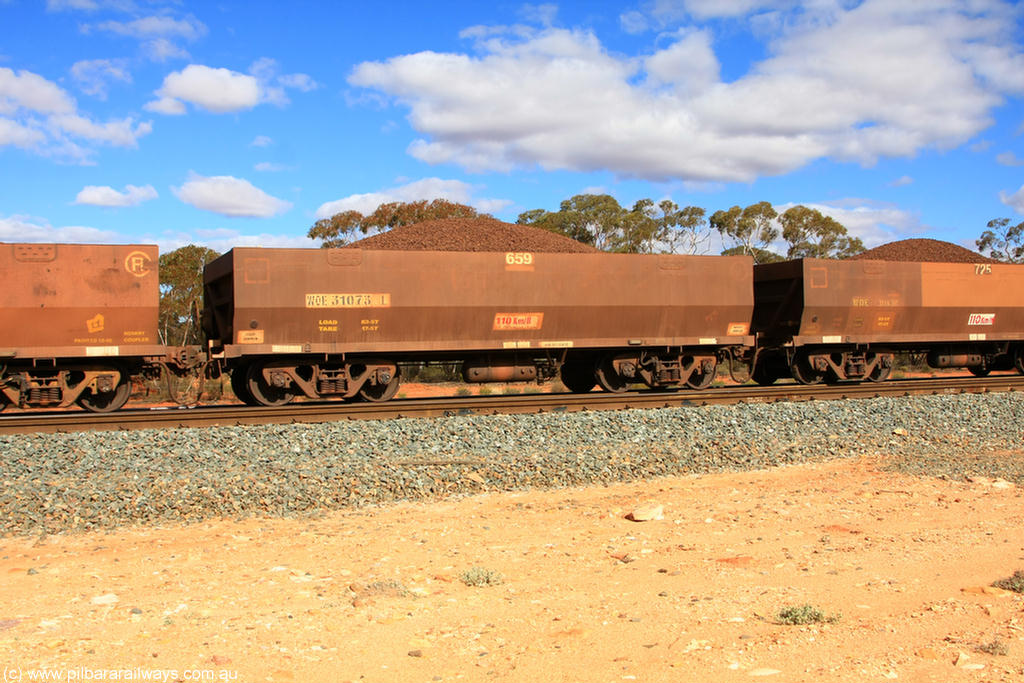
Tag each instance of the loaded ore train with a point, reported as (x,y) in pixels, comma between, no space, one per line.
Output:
(78,322)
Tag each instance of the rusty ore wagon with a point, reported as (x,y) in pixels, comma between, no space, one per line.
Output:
(76,322)
(341,322)
(822,319)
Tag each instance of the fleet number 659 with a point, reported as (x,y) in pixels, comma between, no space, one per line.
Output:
(518,258)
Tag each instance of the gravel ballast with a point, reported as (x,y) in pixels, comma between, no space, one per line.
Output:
(100,480)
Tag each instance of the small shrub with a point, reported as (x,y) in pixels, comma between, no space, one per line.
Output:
(511,390)
(996,647)
(804,614)
(463,391)
(481,576)
(485,391)
(388,587)
(1013,583)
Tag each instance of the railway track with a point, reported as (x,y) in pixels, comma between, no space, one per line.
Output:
(220,415)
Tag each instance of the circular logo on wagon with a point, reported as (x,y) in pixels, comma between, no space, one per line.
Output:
(137,263)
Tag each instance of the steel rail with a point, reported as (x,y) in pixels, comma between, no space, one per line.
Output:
(327,411)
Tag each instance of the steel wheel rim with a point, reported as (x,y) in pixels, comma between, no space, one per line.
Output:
(608,378)
(377,393)
(262,393)
(107,402)
(578,377)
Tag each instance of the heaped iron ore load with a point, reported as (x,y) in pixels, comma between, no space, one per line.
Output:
(341,321)
(472,234)
(921,249)
(846,319)
(76,321)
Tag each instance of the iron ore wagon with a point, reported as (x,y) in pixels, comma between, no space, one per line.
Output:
(340,322)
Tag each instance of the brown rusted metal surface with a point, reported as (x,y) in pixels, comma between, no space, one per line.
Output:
(817,301)
(316,301)
(76,300)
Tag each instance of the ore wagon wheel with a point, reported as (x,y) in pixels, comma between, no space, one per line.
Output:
(262,393)
(1018,359)
(803,372)
(578,377)
(609,378)
(701,380)
(979,370)
(762,376)
(882,370)
(240,385)
(107,401)
(376,393)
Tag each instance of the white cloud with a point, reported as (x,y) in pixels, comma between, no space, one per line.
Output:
(223,91)
(633,22)
(162,50)
(29,229)
(38,115)
(269,166)
(120,133)
(157,34)
(223,239)
(103,195)
(13,133)
(902,181)
(301,82)
(713,9)
(30,91)
(167,106)
(217,90)
(873,222)
(427,188)
(93,75)
(261,141)
(1015,200)
(60,5)
(188,28)
(853,82)
(229,196)
(1009,159)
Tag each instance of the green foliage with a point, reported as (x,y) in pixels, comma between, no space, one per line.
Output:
(481,576)
(348,226)
(1013,583)
(760,255)
(811,234)
(804,614)
(600,221)
(748,230)
(181,293)
(1002,241)
(434,373)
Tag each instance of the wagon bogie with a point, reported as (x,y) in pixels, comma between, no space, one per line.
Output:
(97,388)
(271,381)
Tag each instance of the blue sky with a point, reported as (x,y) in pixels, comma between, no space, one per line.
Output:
(241,123)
